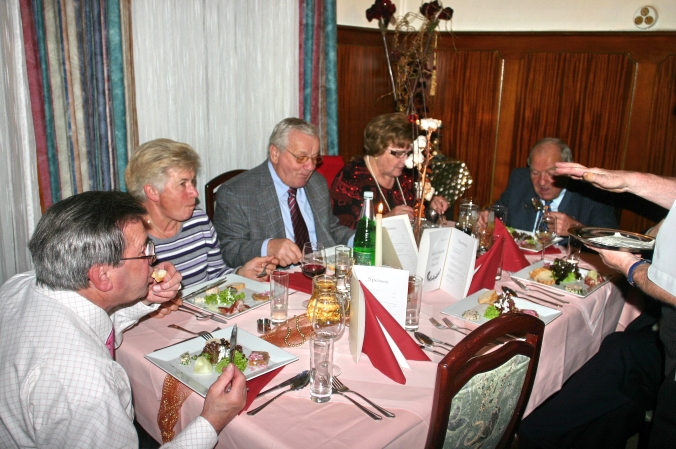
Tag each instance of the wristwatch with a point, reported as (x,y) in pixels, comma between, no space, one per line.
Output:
(630,275)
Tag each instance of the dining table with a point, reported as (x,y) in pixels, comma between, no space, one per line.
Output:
(294,421)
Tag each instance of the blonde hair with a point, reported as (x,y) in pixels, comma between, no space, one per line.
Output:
(152,161)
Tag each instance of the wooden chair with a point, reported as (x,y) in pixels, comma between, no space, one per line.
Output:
(480,393)
(211,187)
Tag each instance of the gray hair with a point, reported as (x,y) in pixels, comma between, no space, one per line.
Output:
(79,232)
(566,153)
(152,161)
(280,135)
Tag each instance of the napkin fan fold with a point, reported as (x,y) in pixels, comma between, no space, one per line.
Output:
(504,250)
(376,345)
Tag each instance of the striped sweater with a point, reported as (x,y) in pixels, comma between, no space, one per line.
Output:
(194,250)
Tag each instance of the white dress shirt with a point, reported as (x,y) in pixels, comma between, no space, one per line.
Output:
(303,205)
(59,386)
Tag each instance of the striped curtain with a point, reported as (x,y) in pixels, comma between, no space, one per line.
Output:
(76,55)
(318,70)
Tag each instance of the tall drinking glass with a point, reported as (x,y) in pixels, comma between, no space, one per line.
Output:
(321,368)
(328,316)
(574,248)
(413,303)
(279,296)
(545,231)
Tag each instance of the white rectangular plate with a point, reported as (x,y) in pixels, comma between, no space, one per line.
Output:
(251,287)
(168,359)
(524,275)
(546,314)
(538,245)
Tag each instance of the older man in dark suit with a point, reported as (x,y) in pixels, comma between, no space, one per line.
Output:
(572,202)
(277,206)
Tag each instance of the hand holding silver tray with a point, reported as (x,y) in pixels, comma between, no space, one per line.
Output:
(613,239)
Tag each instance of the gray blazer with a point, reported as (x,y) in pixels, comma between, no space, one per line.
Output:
(248,213)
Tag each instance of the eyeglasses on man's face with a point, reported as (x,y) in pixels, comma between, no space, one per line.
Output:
(399,154)
(316,160)
(149,252)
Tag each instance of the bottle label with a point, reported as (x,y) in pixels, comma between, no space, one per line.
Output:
(362,258)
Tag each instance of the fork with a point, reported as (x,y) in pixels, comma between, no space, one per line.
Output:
(338,385)
(437,324)
(204,334)
(263,272)
(455,327)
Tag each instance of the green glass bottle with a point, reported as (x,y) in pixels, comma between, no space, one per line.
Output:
(365,238)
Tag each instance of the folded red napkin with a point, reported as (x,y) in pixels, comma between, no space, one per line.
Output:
(512,257)
(488,264)
(553,250)
(376,345)
(256,385)
(298,281)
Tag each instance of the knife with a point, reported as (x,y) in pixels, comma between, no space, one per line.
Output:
(298,384)
(203,289)
(286,383)
(233,343)
(525,297)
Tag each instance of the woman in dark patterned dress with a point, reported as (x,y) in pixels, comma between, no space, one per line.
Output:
(387,144)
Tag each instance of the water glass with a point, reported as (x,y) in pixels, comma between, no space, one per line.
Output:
(469,214)
(321,368)
(279,296)
(413,303)
(574,248)
(343,261)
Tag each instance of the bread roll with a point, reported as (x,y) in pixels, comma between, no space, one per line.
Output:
(488,297)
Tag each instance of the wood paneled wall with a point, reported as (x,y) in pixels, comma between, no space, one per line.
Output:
(610,96)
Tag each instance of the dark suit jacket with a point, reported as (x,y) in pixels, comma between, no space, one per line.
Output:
(589,206)
(248,212)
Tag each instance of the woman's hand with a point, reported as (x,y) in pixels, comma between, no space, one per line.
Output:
(252,268)
(439,204)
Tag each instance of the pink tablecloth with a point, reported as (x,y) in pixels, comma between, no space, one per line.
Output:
(294,421)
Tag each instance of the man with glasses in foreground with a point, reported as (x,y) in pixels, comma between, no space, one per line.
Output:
(388,142)
(59,383)
(274,208)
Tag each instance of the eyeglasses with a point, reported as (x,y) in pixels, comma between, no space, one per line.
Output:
(399,154)
(149,254)
(316,160)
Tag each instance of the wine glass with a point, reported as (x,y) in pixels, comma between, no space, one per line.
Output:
(314,259)
(313,262)
(328,318)
(545,231)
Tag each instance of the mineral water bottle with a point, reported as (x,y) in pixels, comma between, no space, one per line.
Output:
(365,238)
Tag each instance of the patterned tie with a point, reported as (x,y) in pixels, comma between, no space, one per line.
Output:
(548,206)
(110,343)
(299,227)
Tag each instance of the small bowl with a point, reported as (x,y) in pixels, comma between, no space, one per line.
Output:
(264,325)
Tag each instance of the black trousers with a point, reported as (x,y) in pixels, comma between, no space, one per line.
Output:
(604,403)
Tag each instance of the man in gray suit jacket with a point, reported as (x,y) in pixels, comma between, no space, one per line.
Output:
(253,214)
(573,203)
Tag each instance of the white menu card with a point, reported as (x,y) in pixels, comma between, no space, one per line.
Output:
(446,260)
(390,287)
(398,235)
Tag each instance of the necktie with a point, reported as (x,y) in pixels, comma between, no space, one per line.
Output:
(110,343)
(300,232)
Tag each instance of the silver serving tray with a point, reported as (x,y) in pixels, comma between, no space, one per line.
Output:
(585,233)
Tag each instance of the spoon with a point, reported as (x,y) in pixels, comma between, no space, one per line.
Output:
(429,341)
(427,348)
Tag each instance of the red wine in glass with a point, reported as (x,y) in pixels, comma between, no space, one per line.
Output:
(313,269)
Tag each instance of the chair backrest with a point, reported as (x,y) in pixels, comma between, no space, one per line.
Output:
(210,190)
(330,167)
(480,394)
